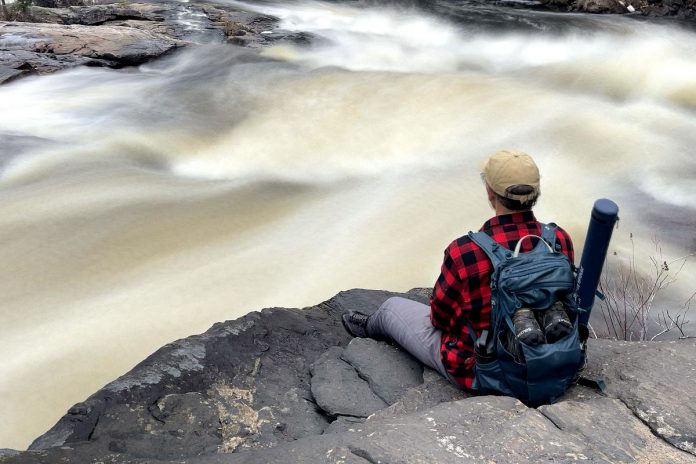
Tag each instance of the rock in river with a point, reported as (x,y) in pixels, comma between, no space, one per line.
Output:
(42,48)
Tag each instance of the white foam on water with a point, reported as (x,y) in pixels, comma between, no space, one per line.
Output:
(631,60)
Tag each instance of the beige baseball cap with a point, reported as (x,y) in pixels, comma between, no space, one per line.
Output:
(507,169)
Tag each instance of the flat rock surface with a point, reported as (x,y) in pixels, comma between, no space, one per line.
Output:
(43,48)
(485,429)
(17,62)
(243,392)
(593,421)
(339,390)
(433,391)
(389,370)
(121,44)
(655,380)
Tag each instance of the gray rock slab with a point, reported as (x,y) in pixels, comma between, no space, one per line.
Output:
(7,73)
(296,416)
(474,430)
(118,46)
(433,391)
(656,380)
(339,390)
(30,62)
(177,425)
(607,426)
(94,14)
(182,21)
(344,424)
(246,385)
(389,370)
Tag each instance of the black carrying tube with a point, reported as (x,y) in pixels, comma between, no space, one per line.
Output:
(605,213)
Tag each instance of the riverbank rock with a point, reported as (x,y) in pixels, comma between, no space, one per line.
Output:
(58,34)
(188,22)
(43,48)
(98,14)
(685,9)
(289,385)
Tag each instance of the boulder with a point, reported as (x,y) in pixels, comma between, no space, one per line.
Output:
(389,371)
(339,391)
(48,47)
(26,62)
(181,21)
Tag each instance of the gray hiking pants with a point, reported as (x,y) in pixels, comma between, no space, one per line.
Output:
(407,322)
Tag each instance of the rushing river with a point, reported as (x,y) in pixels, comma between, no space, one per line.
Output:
(141,206)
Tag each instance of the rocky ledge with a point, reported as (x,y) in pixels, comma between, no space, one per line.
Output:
(289,385)
(58,34)
(684,9)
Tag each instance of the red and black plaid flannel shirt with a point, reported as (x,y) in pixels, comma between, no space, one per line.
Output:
(462,292)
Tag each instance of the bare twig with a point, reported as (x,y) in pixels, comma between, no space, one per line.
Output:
(628,310)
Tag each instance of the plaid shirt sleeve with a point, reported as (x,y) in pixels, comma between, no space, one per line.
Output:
(458,301)
(445,303)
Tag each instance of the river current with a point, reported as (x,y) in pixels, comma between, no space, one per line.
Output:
(141,206)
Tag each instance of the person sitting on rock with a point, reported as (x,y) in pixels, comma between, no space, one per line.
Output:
(438,335)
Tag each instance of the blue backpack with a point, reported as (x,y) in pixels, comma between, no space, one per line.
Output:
(534,280)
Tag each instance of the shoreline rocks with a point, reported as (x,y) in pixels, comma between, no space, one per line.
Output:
(49,47)
(682,9)
(289,385)
(59,34)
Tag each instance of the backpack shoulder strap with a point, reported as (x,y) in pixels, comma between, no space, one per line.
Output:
(548,233)
(494,250)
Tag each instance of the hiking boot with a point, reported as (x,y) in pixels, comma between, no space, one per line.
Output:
(556,322)
(355,323)
(527,328)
